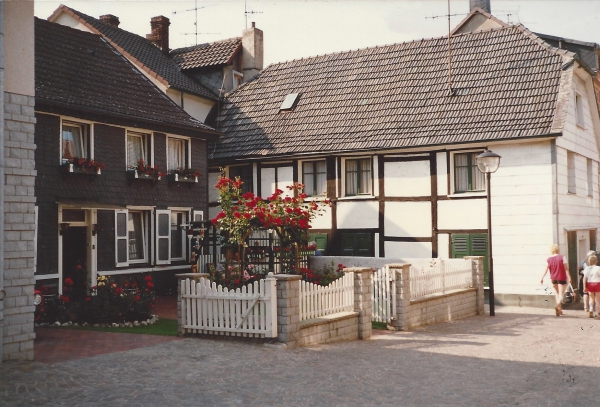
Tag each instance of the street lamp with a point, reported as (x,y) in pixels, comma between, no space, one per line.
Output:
(488,162)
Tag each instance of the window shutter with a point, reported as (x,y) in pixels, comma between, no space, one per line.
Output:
(121,238)
(320,239)
(163,236)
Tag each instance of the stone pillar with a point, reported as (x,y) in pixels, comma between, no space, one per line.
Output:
(363,301)
(288,309)
(477,264)
(400,322)
(180,278)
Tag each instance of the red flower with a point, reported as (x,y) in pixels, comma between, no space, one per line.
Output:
(237,215)
(150,284)
(237,281)
(68,281)
(148,278)
(64,298)
(118,290)
(136,298)
(88,298)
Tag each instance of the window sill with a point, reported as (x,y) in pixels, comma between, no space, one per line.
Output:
(481,194)
(134,174)
(356,197)
(175,178)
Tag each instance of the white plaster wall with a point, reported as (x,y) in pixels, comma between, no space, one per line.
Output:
(407,178)
(323,220)
(522,216)
(69,21)
(442,174)
(408,219)
(267,182)
(443,246)
(213,193)
(197,107)
(407,249)
(357,215)
(462,214)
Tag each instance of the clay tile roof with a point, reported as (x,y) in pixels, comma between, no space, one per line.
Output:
(507,85)
(80,70)
(143,53)
(203,55)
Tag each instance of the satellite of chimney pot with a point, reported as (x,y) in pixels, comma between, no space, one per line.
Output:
(482,4)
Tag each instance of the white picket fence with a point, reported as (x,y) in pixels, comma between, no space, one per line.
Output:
(317,301)
(383,293)
(440,276)
(209,308)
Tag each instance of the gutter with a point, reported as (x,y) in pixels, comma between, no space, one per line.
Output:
(2,177)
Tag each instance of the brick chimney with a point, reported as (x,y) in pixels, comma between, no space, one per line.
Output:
(252,52)
(160,33)
(110,19)
(482,4)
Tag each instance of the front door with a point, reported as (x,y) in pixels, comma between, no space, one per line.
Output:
(74,262)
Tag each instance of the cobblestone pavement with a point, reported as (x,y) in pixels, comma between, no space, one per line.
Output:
(523,356)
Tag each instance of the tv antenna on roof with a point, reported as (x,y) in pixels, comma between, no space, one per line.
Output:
(449,46)
(196,8)
(246,12)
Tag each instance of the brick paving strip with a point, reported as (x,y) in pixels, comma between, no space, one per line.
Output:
(523,356)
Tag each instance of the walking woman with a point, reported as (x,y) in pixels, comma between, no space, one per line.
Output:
(559,274)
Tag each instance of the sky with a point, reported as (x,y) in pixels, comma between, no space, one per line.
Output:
(296,29)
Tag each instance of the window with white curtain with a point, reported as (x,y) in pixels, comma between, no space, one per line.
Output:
(314,177)
(467,177)
(178,235)
(137,148)
(358,176)
(74,141)
(177,153)
(136,227)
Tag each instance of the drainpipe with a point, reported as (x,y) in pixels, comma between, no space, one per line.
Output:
(2,294)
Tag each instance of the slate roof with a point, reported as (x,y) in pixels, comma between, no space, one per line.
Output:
(143,53)
(507,85)
(585,50)
(80,70)
(205,55)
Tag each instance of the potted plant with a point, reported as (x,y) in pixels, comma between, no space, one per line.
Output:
(141,170)
(85,165)
(184,175)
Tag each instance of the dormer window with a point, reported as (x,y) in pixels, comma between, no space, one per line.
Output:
(238,79)
(290,102)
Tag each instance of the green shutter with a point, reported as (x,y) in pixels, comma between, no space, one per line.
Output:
(357,244)
(472,245)
(320,239)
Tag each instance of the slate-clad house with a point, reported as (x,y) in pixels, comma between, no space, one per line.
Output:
(91,102)
(391,138)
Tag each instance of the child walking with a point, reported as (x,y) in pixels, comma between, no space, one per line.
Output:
(559,274)
(582,292)
(591,284)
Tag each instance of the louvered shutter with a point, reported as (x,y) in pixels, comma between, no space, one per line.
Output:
(121,238)
(163,236)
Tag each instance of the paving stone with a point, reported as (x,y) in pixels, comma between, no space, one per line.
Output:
(522,356)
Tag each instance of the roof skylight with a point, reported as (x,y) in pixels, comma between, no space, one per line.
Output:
(289,103)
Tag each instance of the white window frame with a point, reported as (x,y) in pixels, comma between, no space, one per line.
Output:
(198,216)
(571,173)
(188,156)
(185,223)
(160,237)
(87,134)
(147,144)
(372,186)
(301,171)
(145,235)
(579,110)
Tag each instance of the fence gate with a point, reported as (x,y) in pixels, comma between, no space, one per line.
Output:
(383,291)
(209,308)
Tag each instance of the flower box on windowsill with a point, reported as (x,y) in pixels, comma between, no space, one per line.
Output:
(178,178)
(70,168)
(135,174)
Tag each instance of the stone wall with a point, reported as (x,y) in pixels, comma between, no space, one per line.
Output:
(342,326)
(19,226)
(436,308)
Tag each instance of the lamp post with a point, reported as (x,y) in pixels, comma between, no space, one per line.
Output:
(488,162)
